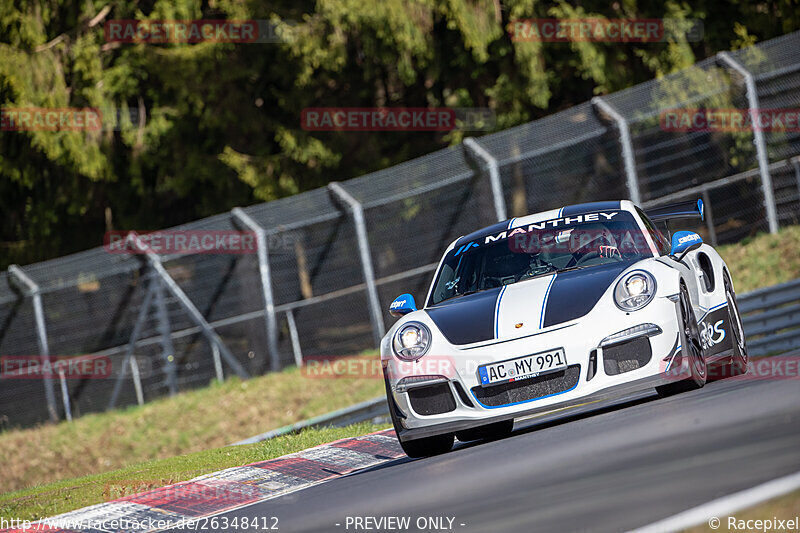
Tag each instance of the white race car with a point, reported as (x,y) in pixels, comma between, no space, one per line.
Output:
(537,313)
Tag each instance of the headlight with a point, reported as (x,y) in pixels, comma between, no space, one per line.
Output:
(635,291)
(411,341)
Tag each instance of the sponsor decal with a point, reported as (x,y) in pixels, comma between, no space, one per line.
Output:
(554,223)
(689,238)
(711,334)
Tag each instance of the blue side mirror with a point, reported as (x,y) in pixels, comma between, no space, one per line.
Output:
(402,305)
(684,242)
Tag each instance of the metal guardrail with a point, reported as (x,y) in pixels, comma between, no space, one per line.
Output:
(771,318)
(376,408)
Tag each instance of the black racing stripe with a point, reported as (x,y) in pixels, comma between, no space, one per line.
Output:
(466,319)
(482,233)
(577,209)
(576,292)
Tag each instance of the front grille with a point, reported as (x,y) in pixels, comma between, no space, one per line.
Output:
(627,356)
(432,399)
(528,389)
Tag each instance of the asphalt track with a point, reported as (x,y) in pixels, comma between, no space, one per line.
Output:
(614,469)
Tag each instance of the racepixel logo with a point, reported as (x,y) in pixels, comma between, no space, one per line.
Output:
(50,119)
(730,120)
(50,367)
(195,31)
(181,242)
(594,29)
(396,119)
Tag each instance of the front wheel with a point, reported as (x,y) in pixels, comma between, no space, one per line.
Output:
(739,358)
(427,446)
(423,447)
(691,347)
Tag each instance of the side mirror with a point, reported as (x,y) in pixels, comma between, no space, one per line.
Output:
(684,242)
(402,305)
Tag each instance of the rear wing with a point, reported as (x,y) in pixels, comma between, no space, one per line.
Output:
(676,211)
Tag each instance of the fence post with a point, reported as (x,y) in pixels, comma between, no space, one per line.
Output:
(129,357)
(758,136)
(217,363)
(366,258)
(494,176)
(167,348)
(796,165)
(627,147)
(266,284)
(295,338)
(709,216)
(41,335)
(65,394)
(194,313)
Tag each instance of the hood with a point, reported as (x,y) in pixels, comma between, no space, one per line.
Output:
(524,308)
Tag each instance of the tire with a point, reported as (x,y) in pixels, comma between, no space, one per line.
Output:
(739,357)
(428,446)
(691,347)
(424,447)
(495,431)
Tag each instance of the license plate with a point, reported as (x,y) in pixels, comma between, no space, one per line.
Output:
(521,368)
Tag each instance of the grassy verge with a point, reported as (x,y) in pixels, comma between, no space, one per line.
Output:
(783,508)
(62,496)
(189,422)
(764,260)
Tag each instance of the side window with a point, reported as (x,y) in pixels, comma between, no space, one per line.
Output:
(662,243)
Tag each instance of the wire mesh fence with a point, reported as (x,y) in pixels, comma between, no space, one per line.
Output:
(179,321)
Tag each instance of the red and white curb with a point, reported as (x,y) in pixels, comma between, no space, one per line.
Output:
(228,489)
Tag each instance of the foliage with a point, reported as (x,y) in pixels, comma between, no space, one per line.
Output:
(191,130)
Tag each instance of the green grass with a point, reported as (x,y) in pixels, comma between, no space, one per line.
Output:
(764,260)
(66,495)
(189,422)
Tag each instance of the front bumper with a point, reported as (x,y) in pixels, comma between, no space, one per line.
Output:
(590,375)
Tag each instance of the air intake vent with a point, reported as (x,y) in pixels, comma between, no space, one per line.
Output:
(528,389)
(627,356)
(432,400)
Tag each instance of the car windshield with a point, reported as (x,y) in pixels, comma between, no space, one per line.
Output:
(539,249)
